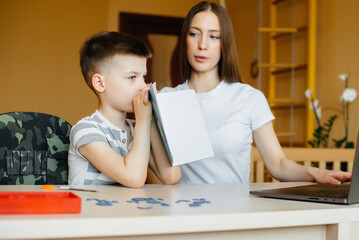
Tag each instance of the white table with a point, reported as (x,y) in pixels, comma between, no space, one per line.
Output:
(231,213)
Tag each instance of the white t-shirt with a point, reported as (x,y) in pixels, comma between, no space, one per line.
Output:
(94,128)
(231,113)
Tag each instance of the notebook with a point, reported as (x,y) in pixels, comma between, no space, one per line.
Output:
(181,125)
(347,193)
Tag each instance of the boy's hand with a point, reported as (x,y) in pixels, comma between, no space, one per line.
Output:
(142,106)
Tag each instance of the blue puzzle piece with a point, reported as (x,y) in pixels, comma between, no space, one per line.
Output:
(196,202)
(102,202)
(144,208)
(182,200)
(148,200)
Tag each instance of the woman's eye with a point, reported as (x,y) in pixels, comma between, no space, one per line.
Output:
(214,37)
(192,34)
(132,77)
(144,76)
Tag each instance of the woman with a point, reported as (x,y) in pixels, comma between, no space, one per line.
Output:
(235,113)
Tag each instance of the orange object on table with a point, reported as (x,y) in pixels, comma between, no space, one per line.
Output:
(49,187)
(39,202)
(56,187)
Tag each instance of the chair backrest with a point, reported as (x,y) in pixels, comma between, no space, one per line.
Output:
(33,148)
(324,158)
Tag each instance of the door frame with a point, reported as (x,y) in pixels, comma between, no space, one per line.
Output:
(140,25)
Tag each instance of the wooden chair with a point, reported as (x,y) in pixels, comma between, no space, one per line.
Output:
(152,178)
(324,158)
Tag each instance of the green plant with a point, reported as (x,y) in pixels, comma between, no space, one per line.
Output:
(322,132)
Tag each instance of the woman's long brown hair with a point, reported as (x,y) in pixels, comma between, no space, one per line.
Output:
(228,69)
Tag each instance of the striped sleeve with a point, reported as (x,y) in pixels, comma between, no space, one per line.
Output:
(85,132)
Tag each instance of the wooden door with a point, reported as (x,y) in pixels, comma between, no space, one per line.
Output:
(141,26)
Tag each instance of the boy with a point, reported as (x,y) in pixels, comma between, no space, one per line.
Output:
(105,148)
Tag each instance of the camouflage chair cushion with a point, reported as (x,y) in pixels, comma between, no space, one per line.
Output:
(33,148)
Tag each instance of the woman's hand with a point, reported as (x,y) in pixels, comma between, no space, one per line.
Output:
(330,176)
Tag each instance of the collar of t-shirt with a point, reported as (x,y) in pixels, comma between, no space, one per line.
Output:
(115,127)
(221,85)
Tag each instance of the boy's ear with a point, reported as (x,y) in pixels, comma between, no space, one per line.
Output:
(98,82)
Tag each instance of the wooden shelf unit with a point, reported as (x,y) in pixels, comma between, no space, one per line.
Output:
(277,69)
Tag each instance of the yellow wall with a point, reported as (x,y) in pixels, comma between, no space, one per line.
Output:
(160,7)
(40,40)
(338,52)
(244,15)
(39,45)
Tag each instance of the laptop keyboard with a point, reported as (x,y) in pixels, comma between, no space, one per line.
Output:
(341,191)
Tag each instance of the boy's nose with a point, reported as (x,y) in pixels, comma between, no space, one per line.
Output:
(142,85)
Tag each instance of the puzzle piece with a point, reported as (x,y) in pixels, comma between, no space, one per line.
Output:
(196,202)
(102,202)
(149,201)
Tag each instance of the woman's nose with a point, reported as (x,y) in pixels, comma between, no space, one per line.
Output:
(202,45)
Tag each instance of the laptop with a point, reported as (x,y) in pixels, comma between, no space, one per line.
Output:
(346,193)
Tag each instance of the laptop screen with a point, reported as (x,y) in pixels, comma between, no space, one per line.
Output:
(354,187)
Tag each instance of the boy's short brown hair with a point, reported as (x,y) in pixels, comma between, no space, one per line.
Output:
(104,45)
